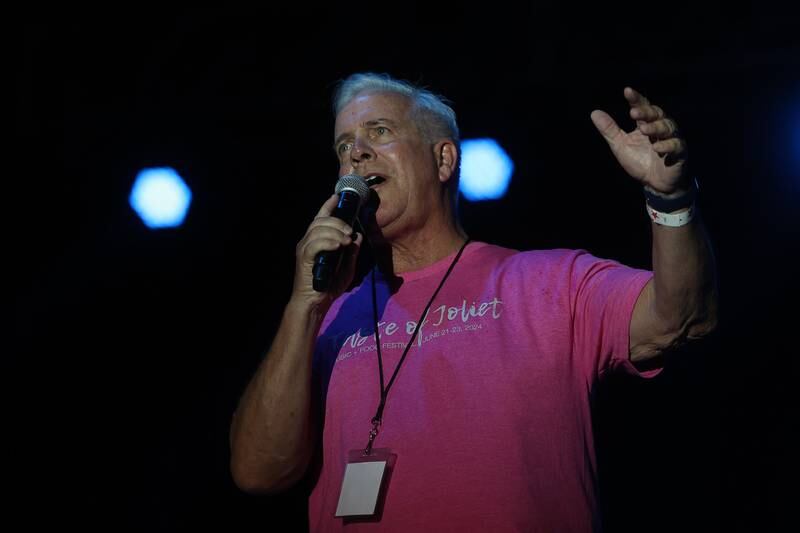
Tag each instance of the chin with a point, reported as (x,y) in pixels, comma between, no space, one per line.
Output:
(383,217)
(383,224)
(387,224)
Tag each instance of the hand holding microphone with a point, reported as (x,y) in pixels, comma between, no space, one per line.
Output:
(326,254)
(352,191)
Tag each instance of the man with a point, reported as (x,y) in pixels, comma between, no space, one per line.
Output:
(468,366)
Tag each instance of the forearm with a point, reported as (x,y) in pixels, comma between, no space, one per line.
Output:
(685,294)
(272,432)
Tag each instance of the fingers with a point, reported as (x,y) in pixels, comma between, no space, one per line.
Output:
(606,125)
(646,113)
(634,97)
(328,206)
(330,222)
(660,129)
(325,233)
(641,109)
(674,147)
(653,122)
(324,218)
(322,238)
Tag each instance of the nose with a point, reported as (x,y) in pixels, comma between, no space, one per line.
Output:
(361,151)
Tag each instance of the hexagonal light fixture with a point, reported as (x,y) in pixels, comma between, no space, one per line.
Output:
(160,197)
(486,170)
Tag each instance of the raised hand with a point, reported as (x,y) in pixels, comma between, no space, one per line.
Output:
(654,153)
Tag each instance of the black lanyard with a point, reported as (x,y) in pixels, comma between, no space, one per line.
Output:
(377,419)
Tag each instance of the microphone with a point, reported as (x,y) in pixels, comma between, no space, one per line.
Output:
(353,191)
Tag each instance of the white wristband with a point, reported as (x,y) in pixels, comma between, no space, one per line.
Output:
(675,220)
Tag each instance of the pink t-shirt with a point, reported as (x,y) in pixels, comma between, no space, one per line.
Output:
(490,413)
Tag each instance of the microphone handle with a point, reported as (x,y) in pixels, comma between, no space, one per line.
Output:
(326,264)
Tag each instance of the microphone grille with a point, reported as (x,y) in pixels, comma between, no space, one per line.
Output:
(355,183)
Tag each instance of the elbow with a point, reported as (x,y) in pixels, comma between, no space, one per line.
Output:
(677,334)
(671,331)
(696,322)
(695,328)
(704,322)
(702,328)
(265,479)
(247,481)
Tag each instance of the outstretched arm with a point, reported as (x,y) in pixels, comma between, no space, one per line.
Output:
(680,302)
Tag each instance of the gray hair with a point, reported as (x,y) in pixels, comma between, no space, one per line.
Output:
(431,113)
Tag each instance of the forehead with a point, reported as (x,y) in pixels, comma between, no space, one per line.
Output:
(372,106)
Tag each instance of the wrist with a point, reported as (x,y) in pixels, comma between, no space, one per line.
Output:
(681,199)
(312,309)
(675,219)
(677,192)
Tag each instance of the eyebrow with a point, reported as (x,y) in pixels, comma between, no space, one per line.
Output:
(367,124)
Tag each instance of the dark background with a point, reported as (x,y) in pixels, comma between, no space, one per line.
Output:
(128,348)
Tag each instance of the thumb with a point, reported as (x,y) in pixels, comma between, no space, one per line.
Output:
(606,125)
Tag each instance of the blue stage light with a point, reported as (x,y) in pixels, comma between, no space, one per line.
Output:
(160,197)
(485,170)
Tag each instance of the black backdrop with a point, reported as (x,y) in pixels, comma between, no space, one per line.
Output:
(128,348)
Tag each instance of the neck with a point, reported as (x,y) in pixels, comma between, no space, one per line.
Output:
(438,236)
(422,248)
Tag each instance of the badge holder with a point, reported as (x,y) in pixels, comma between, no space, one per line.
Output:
(365,483)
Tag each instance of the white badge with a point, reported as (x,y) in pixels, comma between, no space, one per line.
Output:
(364,477)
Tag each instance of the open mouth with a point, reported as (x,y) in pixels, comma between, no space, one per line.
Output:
(374,180)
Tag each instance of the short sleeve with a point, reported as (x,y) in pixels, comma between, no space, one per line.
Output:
(603,294)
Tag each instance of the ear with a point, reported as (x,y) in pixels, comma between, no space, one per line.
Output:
(446,159)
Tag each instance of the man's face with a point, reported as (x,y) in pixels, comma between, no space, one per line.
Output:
(375,136)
